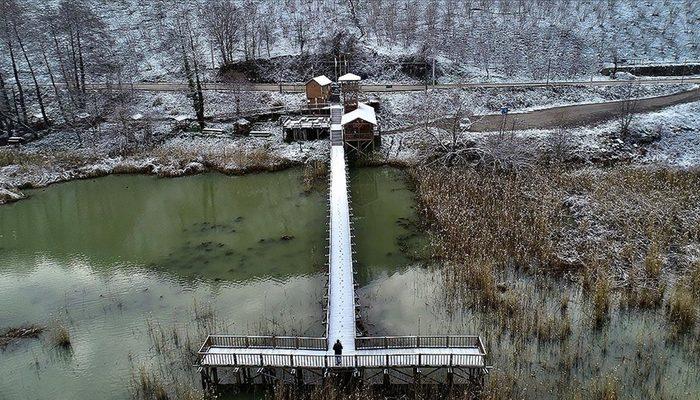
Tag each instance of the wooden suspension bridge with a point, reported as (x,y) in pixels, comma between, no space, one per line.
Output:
(388,360)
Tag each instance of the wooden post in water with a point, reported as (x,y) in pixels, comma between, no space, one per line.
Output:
(416,382)
(300,377)
(203,375)
(239,378)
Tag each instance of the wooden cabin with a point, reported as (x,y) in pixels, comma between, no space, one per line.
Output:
(360,128)
(318,90)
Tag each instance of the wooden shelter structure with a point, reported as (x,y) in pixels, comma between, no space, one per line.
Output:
(360,129)
(350,87)
(318,90)
(305,127)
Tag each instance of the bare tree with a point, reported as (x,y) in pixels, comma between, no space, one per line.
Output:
(189,53)
(10,15)
(560,144)
(300,33)
(626,110)
(84,35)
(222,21)
(6,123)
(447,134)
(267,32)
(39,96)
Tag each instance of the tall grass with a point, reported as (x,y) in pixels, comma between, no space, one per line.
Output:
(682,310)
(314,175)
(607,229)
(149,386)
(622,223)
(61,337)
(223,158)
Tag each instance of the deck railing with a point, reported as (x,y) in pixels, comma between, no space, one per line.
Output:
(265,342)
(347,361)
(412,342)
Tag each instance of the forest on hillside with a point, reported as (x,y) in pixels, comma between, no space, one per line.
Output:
(52,50)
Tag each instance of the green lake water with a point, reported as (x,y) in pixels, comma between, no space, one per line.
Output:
(140,269)
(122,260)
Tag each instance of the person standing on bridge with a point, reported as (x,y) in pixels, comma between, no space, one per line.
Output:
(338,349)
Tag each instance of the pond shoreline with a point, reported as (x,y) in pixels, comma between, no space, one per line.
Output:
(44,169)
(36,167)
(138,167)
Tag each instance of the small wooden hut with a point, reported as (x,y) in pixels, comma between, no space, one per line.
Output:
(318,90)
(305,127)
(360,127)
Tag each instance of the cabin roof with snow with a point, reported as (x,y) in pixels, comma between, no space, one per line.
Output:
(321,80)
(363,112)
(349,78)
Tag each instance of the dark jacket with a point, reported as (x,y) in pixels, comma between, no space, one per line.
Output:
(338,348)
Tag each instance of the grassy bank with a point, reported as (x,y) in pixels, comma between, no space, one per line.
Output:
(27,168)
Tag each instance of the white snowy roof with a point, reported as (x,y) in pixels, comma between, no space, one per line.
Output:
(363,112)
(322,80)
(349,78)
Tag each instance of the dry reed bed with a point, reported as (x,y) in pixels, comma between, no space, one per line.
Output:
(626,228)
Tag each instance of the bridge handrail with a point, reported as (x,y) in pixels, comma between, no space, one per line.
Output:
(346,361)
(408,342)
(265,342)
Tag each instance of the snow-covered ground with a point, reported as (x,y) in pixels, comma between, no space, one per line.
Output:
(670,137)
(399,109)
(61,157)
(496,40)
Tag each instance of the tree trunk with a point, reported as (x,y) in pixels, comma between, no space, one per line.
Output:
(6,108)
(22,104)
(53,84)
(195,87)
(39,97)
(74,61)
(63,68)
(199,98)
(81,63)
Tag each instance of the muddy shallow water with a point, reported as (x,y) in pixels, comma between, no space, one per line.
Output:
(138,269)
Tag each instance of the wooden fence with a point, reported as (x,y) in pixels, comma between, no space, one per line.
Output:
(412,342)
(265,342)
(286,360)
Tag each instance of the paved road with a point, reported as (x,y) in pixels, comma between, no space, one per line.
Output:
(579,114)
(299,87)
